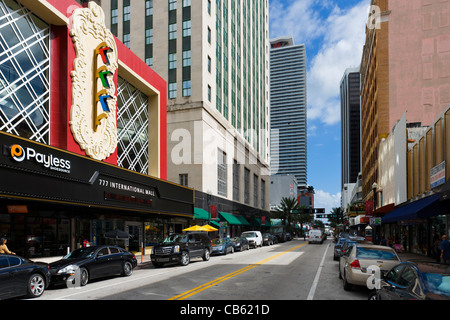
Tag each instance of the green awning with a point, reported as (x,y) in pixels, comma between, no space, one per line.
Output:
(215,224)
(243,221)
(228,217)
(258,222)
(201,214)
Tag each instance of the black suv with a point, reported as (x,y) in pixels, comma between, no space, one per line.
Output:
(181,248)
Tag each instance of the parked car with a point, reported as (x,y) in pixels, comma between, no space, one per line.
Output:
(222,246)
(254,238)
(315,236)
(338,248)
(416,280)
(181,248)
(269,239)
(288,236)
(353,264)
(22,277)
(92,263)
(240,243)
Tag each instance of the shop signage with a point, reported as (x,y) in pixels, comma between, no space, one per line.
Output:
(94,102)
(437,175)
(28,171)
(49,161)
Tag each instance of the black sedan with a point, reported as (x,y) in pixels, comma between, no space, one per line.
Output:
(22,277)
(240,243)
(415,281)
(85,264)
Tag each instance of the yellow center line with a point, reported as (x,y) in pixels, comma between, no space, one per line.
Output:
(207,285)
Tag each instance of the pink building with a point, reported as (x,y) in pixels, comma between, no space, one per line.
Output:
(419,59)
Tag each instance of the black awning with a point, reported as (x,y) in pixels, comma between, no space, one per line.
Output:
(423,208)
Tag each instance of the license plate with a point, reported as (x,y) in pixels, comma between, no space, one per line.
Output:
(162,259)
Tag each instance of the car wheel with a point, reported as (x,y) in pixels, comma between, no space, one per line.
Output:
(185,259)
(347,286)
(84,277)
(36,285)
(373,296)
(127,269)
(232,250)
(206,255)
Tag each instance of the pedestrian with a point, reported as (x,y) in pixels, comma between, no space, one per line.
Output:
(3,247)
(435,250)
(445,250)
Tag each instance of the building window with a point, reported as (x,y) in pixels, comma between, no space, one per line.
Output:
(209,93)
(209,64)
(209,35)
(132,128)
(172,5)
(126,13)
(187,58)
(186,3)
(172,60)
(236,182)
(24,73)
(148,36)
(126,40)
(263,193)
(186,88)
(255,190)
(246,186)
(221,173)
(183,179)
(172,90)
(209,7)
(186,28)
(172,31)
(149,62)
(149,7)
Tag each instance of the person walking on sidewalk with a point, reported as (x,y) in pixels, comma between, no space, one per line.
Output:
(445,250)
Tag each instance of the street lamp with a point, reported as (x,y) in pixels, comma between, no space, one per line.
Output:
(374,188)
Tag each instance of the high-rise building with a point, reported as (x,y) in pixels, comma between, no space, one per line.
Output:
(288,109)
(402,72)
(350,126)
(214,56)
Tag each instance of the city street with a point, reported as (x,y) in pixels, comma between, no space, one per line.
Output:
(294,270)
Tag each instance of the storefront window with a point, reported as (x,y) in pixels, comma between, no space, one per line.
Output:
(154,233)
(24,73)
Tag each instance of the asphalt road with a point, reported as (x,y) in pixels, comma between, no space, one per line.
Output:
(294,270)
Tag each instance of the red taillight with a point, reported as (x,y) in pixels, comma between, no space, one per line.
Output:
(355,264)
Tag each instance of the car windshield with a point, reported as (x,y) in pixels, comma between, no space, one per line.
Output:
(217,241)
(176,238)
(249,234)
(372,253)
(81,253)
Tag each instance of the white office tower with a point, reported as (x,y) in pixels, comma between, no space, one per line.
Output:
(288,109)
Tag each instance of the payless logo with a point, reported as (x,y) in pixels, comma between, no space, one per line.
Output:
(17,153)
(49,161)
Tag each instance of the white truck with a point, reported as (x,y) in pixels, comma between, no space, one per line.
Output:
(254,238)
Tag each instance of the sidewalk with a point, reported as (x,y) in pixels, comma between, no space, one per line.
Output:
(406,256)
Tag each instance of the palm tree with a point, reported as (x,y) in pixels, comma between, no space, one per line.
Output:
(285,210)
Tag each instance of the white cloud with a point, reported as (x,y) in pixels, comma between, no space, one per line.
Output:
(339,38)
(323,199)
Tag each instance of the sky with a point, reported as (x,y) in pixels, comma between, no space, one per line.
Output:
(333,32)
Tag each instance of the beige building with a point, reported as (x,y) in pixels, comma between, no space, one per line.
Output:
(214,55)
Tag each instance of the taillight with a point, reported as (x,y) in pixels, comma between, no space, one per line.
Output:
(355,264)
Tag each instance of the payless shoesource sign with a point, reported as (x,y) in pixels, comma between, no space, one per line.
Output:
(93,113)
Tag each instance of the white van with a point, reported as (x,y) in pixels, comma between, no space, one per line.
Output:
(254,238)
(315,236)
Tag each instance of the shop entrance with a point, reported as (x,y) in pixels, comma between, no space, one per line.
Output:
(135,231)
